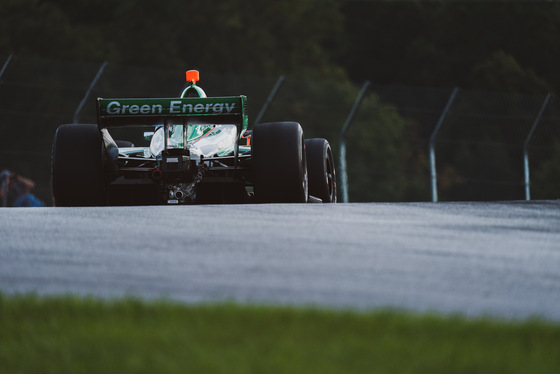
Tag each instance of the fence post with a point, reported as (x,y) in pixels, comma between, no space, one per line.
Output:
(342,142)
(8,60)
(269,100)
(432,144)
(526,147)
(86,96)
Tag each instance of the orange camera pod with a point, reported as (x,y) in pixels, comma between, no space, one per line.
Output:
(193,76)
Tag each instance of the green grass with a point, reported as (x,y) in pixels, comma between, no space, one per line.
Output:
(75,335)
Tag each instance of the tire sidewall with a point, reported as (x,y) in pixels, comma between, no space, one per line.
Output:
(279,163)
(77,172)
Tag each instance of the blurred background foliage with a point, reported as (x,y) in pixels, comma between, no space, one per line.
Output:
(503,55)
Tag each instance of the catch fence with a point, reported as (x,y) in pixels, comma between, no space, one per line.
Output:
(486,147)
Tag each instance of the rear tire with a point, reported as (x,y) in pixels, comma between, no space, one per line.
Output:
(321,170)
(77,166)
(279,164)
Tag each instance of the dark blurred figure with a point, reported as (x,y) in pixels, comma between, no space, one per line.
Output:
(15,191)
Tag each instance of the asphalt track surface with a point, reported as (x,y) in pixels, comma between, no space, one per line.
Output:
(474,259)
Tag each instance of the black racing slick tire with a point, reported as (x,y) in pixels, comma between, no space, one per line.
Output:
(321,170)
(279,164)
(77,166)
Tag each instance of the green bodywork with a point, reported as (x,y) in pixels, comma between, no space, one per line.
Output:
(197,115)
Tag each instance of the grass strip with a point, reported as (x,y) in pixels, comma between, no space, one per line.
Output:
(84,335)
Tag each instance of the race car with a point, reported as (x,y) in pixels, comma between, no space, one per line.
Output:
(192,149)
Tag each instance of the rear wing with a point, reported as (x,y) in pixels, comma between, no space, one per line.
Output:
(211,110)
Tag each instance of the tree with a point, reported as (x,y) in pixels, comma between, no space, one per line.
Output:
(501,72)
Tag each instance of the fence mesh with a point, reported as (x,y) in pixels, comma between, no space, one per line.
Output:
(479,148)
